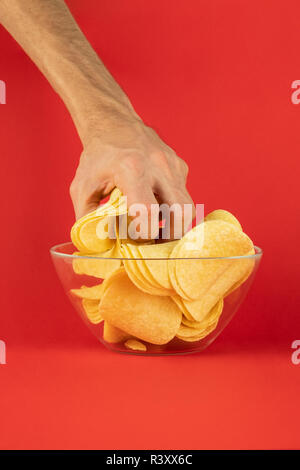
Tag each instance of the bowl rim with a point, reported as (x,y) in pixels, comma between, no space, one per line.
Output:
(53,250)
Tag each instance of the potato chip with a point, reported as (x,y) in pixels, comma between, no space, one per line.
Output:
(201,335)
(91,308)
(74,236)
(141,266)
(226,216)
(143,272)
(85,292)
(115,196)
(208,240)
(95,239)
(135,345)
(137,277)
(90,233)
(235,270)
(187,331)
(76,228)
(208,319)
(151,318)
(243,279)
(100,268)
(109,279)
(171,264)
(140,282)
(179,302)
(158,269)
(116,209)
(122,234)
(111,334)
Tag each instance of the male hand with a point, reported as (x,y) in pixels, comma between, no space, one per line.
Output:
(131,156)
(119,150)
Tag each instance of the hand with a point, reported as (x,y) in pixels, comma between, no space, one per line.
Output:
(131,156)
(119,150)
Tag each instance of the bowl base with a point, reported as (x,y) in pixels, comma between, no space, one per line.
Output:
(174,348)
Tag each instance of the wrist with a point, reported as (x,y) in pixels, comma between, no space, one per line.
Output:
(102,115)
(108,120)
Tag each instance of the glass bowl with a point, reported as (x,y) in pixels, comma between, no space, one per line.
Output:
(64,258)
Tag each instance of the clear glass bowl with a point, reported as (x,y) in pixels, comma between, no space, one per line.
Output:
(63,258)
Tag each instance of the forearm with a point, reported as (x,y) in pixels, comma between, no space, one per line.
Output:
(119,150)
(48,33)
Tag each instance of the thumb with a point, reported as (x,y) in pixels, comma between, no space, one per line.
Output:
(83,207)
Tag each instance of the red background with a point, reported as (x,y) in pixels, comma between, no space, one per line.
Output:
(213,77)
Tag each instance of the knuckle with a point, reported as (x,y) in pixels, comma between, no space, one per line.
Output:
(73,189)
(184,167)
(164,163)
(133,163)
(160,157)
(182,197)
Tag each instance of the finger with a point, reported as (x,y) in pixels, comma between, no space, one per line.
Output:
(84,204)
(180,210)
(85,209)
(141,205)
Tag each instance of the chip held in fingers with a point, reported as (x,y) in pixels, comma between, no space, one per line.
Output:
(99,265)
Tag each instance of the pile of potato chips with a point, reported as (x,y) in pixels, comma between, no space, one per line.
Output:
(155,292)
